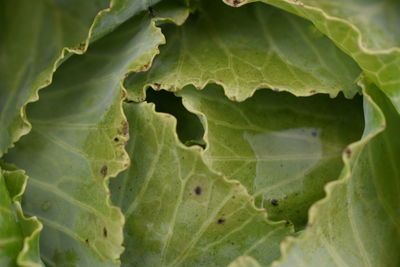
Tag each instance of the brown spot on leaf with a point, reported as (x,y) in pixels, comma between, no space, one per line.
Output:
(313,92)
(82,46)
(116,139)
(157,86)
(347,152)
(144,67)
(87,241)
(236,2)
(104,170)
(125,128)
(221,221)
(123,94)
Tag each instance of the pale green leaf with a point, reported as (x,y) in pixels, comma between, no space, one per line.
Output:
(245,49)
(19,236)
(358,223)
(170,12)
(283,149)
(77,144)
(36,35)
(244,261)
(180,213)
(367,30)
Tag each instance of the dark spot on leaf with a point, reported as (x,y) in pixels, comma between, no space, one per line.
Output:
(197,190)
(125,128)
(144,67)
(152,12)
(87,241)
(314,133)
(274,202)
(313,92)
(288,223)
(105,232)
(116,139)
(104,170)
(221,221)
(157,86)
(347,152)
(236,2)
(82,46)
(123,95)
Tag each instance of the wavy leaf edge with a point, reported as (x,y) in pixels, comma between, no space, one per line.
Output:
(347,157)
(22,256)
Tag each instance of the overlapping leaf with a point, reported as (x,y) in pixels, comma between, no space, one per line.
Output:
(358,223)
(366,30)
(77,143)
(19,236)
(281,148)
(245,49)
(36,35)
(180,213)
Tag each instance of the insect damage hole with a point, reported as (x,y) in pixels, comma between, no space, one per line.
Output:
(189,128)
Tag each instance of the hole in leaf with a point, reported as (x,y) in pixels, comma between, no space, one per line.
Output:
(189,127)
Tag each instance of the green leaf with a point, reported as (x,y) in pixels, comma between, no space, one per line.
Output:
(77,144)
(283,149)
(19,236)
(368,31)
(36,35)
(245,49)
(180,213)
(358,223)
(170,12)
